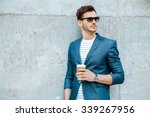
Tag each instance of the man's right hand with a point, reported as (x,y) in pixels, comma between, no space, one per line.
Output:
(67,93)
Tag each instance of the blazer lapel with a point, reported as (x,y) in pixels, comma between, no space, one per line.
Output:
(78,58)
(94,46)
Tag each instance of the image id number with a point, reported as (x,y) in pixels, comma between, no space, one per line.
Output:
(108,109)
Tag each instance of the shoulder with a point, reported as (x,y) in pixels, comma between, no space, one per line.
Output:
(108,40)
(109,43)
(74,43)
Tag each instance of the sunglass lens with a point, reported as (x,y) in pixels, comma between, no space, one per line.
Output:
(96,19)
(90,19)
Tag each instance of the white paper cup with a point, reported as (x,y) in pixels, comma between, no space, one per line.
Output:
(79,66)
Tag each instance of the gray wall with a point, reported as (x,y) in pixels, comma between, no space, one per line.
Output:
(35,35)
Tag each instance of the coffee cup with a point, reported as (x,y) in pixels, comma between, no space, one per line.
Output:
(80,67)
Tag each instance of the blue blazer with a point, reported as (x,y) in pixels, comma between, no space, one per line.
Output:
(103,58)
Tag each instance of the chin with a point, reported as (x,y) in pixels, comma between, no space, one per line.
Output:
(93,30)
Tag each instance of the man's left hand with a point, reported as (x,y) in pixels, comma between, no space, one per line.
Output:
(86,75)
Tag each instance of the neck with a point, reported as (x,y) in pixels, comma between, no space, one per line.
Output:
(88,36)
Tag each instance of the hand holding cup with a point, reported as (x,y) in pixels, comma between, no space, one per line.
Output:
(81,68)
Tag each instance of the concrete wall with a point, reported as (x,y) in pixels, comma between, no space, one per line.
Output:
(35,35)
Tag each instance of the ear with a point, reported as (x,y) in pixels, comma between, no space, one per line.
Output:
(79,23)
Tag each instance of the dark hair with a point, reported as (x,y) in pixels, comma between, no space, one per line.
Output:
(84,9)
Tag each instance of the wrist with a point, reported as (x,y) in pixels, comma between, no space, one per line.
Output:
(96,79)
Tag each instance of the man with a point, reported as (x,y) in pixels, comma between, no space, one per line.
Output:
(101,57)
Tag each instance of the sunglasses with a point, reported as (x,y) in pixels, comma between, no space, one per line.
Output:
(90,19)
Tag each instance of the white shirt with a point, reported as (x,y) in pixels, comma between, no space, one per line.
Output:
(84,50)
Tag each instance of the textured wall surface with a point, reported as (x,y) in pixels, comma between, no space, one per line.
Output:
(35,35)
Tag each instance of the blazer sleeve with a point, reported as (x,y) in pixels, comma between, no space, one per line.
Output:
(115,65)
(69,73)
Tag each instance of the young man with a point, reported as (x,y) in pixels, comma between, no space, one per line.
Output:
(100,58)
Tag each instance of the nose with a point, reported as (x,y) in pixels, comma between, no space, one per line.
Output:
(94,21)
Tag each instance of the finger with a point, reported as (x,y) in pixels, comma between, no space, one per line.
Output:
(80,73)
(81,78)
(84,76)
(81,70)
